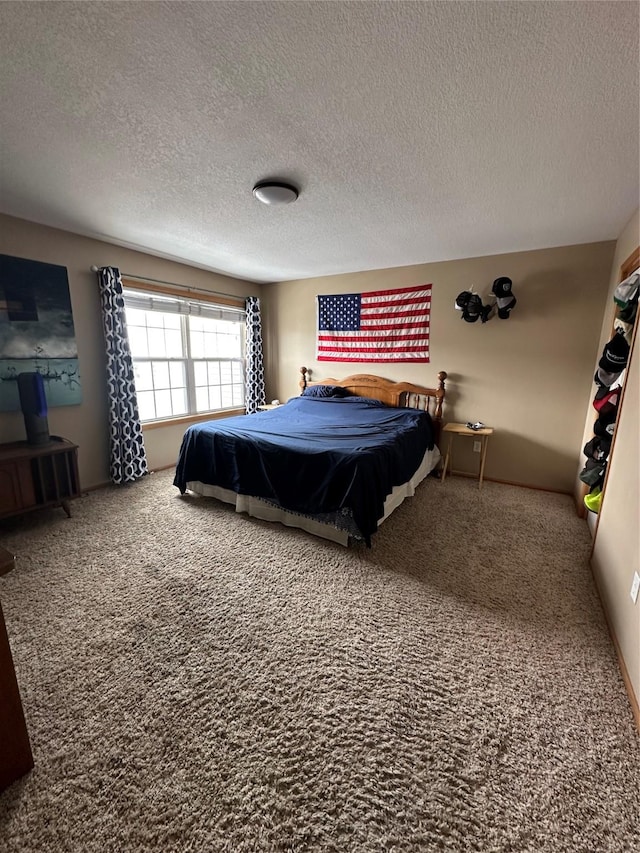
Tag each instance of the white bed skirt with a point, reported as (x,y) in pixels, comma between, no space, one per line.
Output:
(259,508)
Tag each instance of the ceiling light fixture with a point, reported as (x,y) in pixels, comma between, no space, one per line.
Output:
(275,192)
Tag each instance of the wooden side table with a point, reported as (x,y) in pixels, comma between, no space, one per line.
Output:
(462,429)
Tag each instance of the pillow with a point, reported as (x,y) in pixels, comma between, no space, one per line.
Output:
(325,391)
(369,400)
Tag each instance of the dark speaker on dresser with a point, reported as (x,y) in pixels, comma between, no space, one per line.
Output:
(33,403)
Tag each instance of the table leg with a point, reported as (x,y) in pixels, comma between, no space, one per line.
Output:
(485,441)
(446,459)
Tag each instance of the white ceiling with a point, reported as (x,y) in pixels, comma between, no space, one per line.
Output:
(417,131)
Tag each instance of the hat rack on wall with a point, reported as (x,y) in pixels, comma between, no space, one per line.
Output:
(610,380)
(502,302)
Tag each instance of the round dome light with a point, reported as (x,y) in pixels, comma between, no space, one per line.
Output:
(274,192)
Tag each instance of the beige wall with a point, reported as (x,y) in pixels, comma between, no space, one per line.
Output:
(527,376)
(616,551)
(86,424)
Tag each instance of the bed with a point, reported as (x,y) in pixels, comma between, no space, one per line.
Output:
(335,461)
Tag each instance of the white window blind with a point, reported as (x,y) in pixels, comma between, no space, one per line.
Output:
(147,301)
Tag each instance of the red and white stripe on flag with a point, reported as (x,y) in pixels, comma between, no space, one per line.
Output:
(378,326)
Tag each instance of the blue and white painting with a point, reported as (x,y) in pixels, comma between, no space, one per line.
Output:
(36,332)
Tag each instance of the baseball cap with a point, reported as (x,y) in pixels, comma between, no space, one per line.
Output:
(629,312)
(593,472)
(627,290)
(593,500)
(605,425)
(604,379)
(615,354)
(597,448)
(606,400)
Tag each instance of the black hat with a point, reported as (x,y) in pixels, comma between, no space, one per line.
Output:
(597,448)
(505,298)
(471,306)
(502,287)
(593,472)
(462,299)
(605,425)
(473,309)
(615,354)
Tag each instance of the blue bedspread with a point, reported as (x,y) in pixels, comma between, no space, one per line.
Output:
(312,455)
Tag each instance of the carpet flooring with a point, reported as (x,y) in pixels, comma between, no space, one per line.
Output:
(194,680)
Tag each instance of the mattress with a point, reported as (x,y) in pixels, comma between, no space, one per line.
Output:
(336,527)
(311,456)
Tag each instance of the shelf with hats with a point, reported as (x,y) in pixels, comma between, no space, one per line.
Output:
(610,378)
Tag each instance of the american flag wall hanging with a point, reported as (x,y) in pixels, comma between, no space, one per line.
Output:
(381,325)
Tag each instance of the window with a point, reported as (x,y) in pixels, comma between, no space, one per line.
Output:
(188,355)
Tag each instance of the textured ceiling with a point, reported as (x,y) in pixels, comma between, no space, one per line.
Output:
(416,131)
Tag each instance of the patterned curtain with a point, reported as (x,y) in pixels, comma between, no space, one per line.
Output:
(254,390)
(128,461)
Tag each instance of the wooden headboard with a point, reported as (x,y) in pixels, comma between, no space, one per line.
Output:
(402,394)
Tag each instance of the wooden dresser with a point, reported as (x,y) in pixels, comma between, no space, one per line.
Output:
(38,475)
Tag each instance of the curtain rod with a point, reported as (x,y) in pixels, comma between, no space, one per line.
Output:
(187,287)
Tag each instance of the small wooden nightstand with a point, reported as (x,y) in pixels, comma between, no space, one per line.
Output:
(461,429)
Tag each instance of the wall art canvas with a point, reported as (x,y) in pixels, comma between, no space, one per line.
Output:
(36,332)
